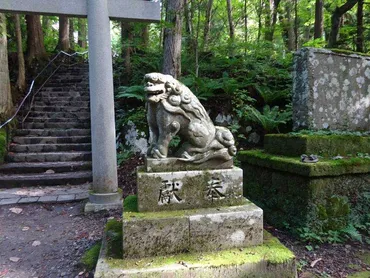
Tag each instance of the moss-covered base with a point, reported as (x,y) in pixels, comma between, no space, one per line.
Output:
(2,145)
(271,259)
(325,145)
(322,196)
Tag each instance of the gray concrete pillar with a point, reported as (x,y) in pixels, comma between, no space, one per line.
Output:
(104,194)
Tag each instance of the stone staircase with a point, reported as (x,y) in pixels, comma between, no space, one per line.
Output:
(53,147)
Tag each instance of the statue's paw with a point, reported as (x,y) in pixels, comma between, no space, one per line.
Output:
(185,156)
(157,154)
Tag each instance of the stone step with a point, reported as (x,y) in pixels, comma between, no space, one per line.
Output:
(42,167)
(53,115)
(66,93)
(25,180)
(53,132)
(60,109)
(49,157)
(35,148)
(66,83)
(67,125)
(52,140)
(57,99)
(70,103)
(55,120)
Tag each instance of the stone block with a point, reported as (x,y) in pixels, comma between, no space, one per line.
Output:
(226,228)
(9,201)
(27,200)
(331,90)
(155,236)
(189,189)
(302,195)
(172,232)
(48,199)
(173,164)
(269,260)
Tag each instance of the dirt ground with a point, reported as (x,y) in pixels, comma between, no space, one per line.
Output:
(47,240)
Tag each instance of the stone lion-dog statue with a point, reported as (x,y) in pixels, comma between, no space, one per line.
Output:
(172,109)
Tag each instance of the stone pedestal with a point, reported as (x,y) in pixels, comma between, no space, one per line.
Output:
(192,223)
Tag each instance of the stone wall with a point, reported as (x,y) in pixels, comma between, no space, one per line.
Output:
(331,91)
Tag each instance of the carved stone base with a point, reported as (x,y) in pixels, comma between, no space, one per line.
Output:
(173,164)
(164,233)
(189,189)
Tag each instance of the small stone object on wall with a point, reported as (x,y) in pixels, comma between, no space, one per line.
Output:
(174,110)
(331,91)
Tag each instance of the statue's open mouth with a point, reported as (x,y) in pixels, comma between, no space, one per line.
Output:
(154,88)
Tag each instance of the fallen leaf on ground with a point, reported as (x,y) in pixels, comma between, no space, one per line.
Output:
(16,210)
(315,262)
(14,259)
(49,171)
(36,243)
(25,229)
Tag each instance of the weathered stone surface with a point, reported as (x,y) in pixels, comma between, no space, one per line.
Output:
(269,260)
(161,233)
(174,110)
(173,164)
(331,91)
(287,196)
(155,236)
(189,189)
(226,228)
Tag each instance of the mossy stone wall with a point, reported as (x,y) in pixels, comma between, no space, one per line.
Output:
(2,145)
(320,203)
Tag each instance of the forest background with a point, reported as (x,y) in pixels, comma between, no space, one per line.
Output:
(235,55)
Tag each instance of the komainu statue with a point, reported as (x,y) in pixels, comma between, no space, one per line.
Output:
(174,110)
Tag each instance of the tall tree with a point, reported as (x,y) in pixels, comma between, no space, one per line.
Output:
(360,26)
(319,19)
(21,80)
(288,26)
(5,93)
(127,38)
(82,32)
(63,42)
(336,19)
(207,24)
(35,39)
(231,27)
(172,38)
(271,19)
(71,32)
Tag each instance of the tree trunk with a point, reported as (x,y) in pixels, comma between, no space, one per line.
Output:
(189,29)
(5,92)
(272,18)
(259,15)
(127,38)
(336,19)
(288,27)
(21,81)
(172,38)
(63,42)
(82,32)
(35,39)
(245,27)
(144,37)
(71,33)
(207,25)
(319,19)
(360,26)
(231,28)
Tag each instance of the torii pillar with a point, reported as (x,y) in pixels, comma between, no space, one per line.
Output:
(104,193)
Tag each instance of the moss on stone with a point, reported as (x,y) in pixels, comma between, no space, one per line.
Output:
(2,145)
(325,167)
(113,231)
(324,145)
(91,256)
(362,274)
(295,201)
(272,251)
(131,215)
(365,257)
(130,204)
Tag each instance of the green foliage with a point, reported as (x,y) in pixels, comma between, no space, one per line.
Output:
(136,92)
(91,256)
(113,231)
(130,203)
(123,154)
(270,118)
(334,214)
(2,145)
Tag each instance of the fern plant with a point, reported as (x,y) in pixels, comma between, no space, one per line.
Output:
(136,92)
